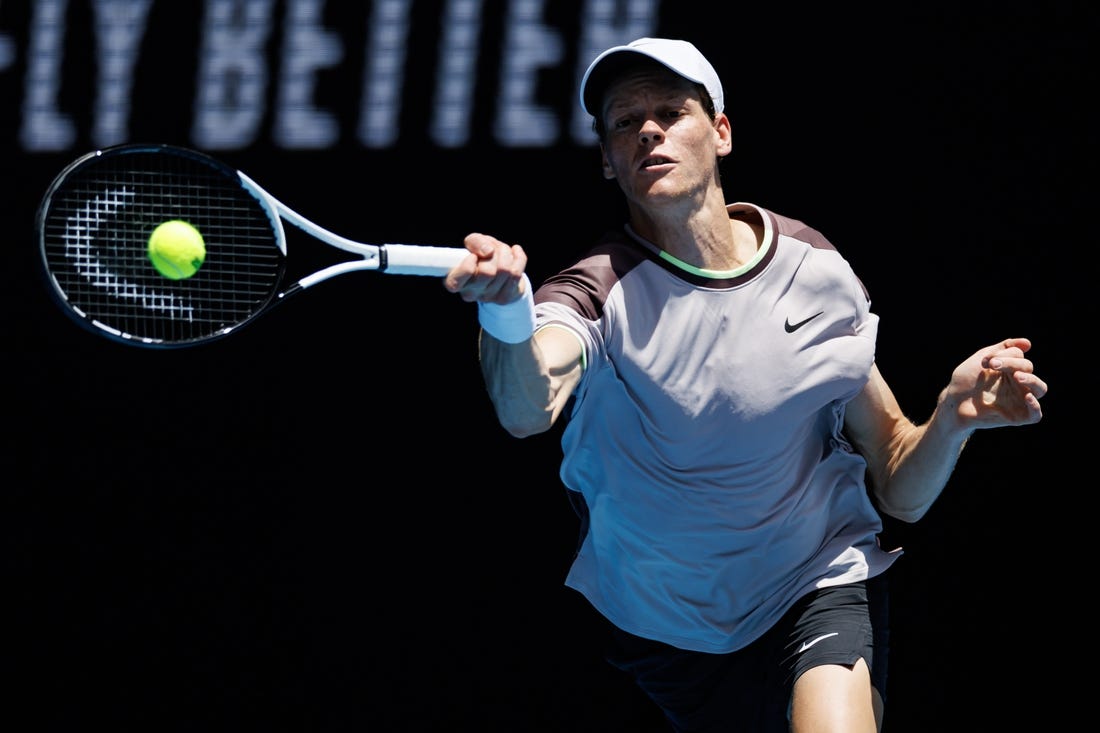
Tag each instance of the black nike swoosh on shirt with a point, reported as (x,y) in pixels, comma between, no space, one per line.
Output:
(792,327)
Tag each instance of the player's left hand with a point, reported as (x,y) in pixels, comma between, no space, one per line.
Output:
(996,387)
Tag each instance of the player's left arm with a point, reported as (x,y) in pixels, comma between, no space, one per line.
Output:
(909,464)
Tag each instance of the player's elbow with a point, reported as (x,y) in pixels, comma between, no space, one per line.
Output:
(525,426)
(902,500)
(907,514)
(524,412)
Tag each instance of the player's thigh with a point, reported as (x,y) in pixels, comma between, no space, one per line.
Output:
(832,698)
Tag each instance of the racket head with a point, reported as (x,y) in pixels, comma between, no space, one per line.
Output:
(94,223)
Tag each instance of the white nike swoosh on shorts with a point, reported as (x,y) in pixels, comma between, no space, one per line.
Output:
(807,644)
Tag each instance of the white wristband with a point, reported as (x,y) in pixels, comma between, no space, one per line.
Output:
(512,323)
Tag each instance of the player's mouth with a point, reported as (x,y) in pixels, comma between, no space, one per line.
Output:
(654,161)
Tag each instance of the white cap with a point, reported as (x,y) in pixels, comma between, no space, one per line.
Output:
(679,56)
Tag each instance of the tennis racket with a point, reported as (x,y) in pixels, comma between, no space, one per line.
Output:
(96,217)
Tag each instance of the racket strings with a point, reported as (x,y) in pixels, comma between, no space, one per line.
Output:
(95,230)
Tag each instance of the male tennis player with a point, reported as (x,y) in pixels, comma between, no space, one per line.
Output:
(716,366)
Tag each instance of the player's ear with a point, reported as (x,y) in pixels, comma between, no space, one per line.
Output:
(608,172)
(725,135)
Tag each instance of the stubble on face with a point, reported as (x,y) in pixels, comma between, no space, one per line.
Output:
(660,142)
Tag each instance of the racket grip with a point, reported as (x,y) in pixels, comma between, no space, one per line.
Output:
(412,259)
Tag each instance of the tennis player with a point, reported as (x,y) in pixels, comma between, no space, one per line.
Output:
(729,440)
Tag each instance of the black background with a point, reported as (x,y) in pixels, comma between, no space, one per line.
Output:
(317,524)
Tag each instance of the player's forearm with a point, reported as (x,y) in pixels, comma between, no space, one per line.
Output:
(923,459)
(520,385)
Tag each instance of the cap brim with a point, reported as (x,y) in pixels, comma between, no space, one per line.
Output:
(610,64)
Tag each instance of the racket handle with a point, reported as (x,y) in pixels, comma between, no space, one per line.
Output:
(411,259)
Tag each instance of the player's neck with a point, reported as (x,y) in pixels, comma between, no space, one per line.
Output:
(705,238)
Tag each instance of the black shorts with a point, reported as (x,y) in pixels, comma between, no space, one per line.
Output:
(750,689)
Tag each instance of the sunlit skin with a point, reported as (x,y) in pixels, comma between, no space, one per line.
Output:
(660,143)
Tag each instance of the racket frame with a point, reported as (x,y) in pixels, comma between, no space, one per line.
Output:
(389,258)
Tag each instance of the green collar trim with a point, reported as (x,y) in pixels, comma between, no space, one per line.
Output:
(714,274)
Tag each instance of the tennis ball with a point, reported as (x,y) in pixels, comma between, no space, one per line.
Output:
(176,249)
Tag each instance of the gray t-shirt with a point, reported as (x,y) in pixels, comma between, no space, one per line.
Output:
(705,435)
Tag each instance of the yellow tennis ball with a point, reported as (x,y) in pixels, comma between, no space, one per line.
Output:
(176,249)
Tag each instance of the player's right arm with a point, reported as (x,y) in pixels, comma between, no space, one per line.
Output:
(531,382)
(529,376)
